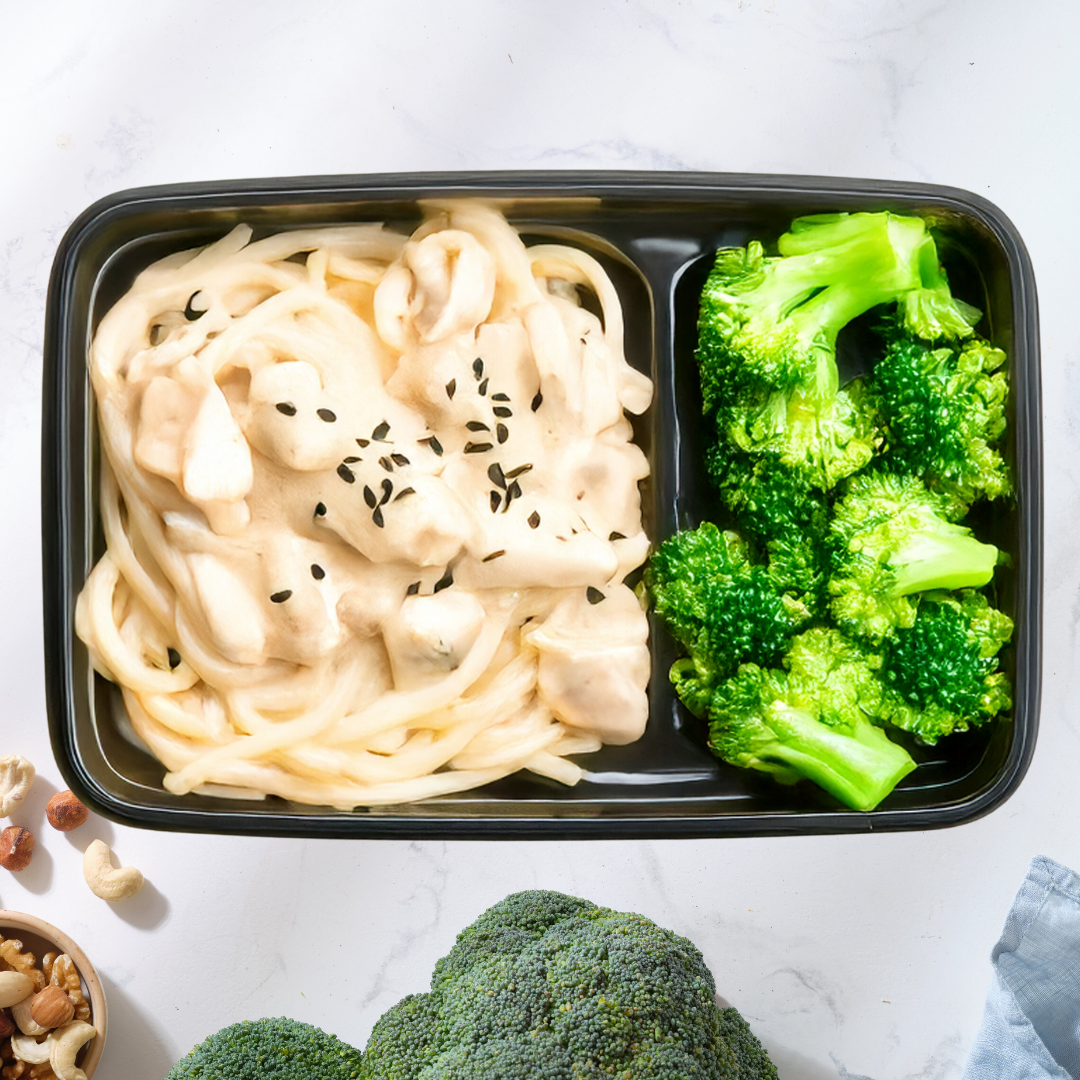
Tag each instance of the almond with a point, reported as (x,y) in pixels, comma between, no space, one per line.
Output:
(51,1007)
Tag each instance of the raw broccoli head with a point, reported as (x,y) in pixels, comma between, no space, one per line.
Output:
(270,1049)
(551,987)
(944,668)
(771,323)
(719,606)
(943,411)
(891,538)
(812,721)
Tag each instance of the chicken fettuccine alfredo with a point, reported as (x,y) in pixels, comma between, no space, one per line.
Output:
(369,501)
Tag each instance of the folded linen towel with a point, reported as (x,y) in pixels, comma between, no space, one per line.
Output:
(1031,1027)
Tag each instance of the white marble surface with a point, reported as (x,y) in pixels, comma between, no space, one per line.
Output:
(854,957)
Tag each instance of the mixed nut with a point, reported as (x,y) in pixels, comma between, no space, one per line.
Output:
(44,1015)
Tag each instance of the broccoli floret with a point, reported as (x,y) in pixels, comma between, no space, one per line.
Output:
(754,1063)
(944,668)
(270,1049)
(772,322)
(891,538)
(812,721)
(943,411)
(720,607)
(784,512)
(767,334)
(545,986)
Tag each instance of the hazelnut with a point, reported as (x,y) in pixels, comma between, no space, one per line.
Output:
(65,812)
(16,848)
(7,1025)
(51,1007)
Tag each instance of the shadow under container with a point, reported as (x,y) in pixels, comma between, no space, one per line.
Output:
(655,234)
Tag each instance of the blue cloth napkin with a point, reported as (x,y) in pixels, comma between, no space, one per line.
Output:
(1031,1027)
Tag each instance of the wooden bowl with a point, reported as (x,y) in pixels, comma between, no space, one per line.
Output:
(41,937)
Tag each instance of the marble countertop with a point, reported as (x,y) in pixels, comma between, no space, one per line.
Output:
(853,956)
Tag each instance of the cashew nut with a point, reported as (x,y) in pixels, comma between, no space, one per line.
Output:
(16,776)
(28,1049)
(104,879)
(64,1043)
(14,986)
(20,1013)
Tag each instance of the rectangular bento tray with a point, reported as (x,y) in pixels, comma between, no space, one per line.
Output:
(655,233)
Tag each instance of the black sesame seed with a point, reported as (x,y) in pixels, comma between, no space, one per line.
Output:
(320,509)
(328,415)
(444,582)
(503,411)
(500,397)
(362,443)
(403,492)
(174,658)
(493,555)
(495,475)
(413,589)
(534,520)
(387,491)
(387,464)
(369,497)
(281,597)
(594,596)
(451,388)
(286,408)
(537,401)
(435,445)
(519,471)
(501,433)
(482,388)
(478,368)
(317,572)
(380,433)
(377,517)
(477,425)
(352,460)
(616,536)
(190,313)
(512,492)
(346,474)
(496,501)
(477,447)
(399,459)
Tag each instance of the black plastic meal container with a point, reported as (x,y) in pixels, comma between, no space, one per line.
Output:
(655,233)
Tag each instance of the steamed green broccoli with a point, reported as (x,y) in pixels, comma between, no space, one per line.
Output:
(767,334)
(720,607)
(772,322)
(269,1049)
(545,986)
(813,721)
(784,512)
(944,668)
(943,412)
(891,538)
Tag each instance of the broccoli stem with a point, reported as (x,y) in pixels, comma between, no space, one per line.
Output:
(859,769)
(942,561)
